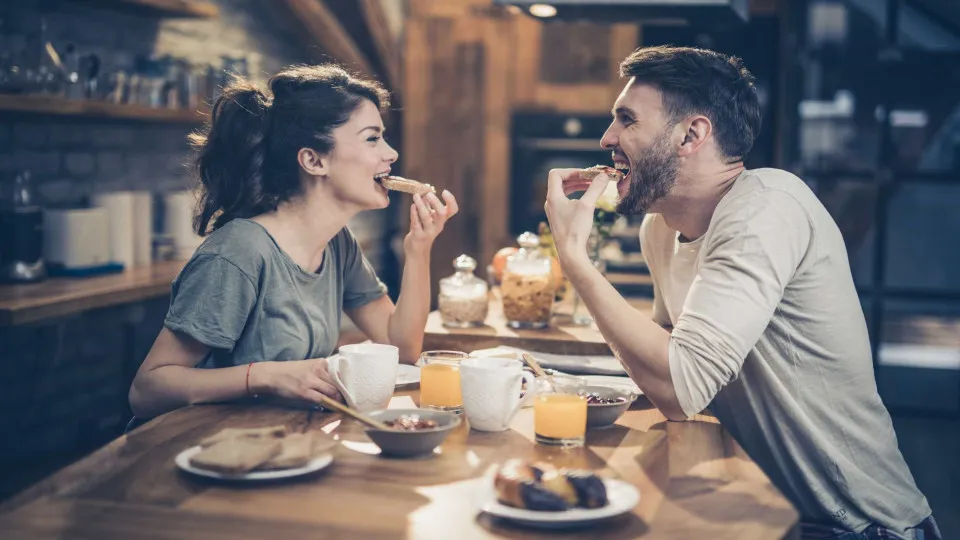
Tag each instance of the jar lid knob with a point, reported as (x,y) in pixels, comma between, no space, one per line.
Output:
(528,240)
(465,262)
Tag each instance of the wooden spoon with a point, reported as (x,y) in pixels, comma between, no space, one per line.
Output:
(534,365)
(356,415)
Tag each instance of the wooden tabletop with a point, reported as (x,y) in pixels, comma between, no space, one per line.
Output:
(57,297)
(560,337)
(694,480)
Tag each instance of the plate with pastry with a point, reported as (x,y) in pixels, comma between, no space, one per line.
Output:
(257,454)
(541,495)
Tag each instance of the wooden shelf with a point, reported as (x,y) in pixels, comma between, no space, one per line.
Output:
(59,106)
(172,8)
(58,297)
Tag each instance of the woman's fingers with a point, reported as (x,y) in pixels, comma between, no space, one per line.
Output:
(452,206)
(426,218)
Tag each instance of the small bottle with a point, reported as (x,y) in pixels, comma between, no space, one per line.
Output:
(528,286)
(21,220)
(463,300)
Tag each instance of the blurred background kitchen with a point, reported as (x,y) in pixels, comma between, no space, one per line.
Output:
(97,96)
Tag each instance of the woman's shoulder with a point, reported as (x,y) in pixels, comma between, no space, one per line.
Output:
(242,243)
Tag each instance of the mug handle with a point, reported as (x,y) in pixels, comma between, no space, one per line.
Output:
(333,367)
(531,392)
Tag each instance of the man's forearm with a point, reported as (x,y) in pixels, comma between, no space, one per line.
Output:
(641,345)
(409,319)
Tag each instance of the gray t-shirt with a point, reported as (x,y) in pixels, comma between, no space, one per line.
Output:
(769,332)
(244,297)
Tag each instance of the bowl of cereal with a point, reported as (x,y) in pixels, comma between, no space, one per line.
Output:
(605,405)
(412,432)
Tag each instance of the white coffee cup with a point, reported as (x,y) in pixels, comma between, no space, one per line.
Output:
(491,391)
(366,374)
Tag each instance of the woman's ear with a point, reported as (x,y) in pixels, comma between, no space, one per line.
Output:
(312,162)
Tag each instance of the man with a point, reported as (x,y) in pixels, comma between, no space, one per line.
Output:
(751,274)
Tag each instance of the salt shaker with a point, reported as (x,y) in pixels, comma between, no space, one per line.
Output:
(528,286)
(463,298)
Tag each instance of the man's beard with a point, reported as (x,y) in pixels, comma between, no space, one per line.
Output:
(652,175)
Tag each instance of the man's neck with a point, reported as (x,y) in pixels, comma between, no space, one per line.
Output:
(303,227)
(689,207)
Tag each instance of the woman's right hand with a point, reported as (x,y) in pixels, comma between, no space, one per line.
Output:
(294,379)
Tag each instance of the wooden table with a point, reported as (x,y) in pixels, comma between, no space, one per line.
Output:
(57,297)
(695,482)
(559,338)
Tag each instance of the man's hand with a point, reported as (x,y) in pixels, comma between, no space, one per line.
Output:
(571,221)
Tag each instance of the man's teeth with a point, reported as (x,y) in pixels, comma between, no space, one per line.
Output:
(621,166)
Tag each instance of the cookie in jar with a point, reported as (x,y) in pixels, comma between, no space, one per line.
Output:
(463,300)
(528,285)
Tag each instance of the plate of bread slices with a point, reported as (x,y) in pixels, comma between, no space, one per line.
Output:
(256,454)
(541,495)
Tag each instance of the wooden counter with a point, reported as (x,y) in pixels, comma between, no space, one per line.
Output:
(559,338)
(57,297)
(695,482)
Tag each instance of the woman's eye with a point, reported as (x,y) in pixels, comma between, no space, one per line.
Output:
(375,138)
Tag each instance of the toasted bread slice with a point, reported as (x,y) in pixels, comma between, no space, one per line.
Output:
(236,456)
(592,172)
(398,183)
(274,432)
(298,449)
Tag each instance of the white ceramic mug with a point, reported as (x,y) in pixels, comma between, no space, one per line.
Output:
(491,391)
(366,374)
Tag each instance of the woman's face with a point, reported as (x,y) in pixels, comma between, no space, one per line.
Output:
(360,154)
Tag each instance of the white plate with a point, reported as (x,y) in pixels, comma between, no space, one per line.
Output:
(183,461)
(407,374)
(622,497)
(612,381)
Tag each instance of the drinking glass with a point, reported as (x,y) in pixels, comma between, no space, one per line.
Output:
(560,411)
(440,380)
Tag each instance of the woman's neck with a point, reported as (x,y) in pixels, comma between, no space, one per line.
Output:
(304,226)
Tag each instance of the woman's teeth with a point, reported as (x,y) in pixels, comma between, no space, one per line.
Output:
(377,178)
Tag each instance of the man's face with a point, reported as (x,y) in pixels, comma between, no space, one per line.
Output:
(640,139)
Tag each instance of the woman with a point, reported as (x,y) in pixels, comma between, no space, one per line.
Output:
(257,309)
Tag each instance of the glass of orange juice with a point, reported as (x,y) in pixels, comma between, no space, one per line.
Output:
(560,411)
(440,380)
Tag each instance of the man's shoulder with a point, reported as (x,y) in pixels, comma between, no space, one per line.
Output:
(767,191)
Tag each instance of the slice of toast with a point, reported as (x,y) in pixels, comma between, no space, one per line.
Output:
(298,449)
(398,183)
(237,456)
(271,432)
(592,172)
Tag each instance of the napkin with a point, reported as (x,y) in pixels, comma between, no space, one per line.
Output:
(572,364)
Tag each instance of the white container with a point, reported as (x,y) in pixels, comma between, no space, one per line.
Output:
(77,239)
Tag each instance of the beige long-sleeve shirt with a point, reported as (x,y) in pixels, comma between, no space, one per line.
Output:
(769,332)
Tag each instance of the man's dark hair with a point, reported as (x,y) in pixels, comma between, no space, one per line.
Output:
(700,81)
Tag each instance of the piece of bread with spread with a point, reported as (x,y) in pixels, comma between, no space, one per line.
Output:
(592,172)
(406,185)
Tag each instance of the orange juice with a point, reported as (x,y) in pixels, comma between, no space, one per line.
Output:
(440,386)
(560,416)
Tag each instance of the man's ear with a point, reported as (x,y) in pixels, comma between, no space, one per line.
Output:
(697,130)
(312,162)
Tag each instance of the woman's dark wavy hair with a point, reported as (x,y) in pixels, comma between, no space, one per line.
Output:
(247,154)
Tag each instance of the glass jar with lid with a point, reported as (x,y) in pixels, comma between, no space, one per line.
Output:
(528,286)
(463,300)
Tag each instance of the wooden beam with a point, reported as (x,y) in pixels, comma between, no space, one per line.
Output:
(326,31)
(387,46)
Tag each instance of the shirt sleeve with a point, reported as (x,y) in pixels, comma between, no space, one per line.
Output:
(361,284)
(210,301)
(757,245)
(659,315)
